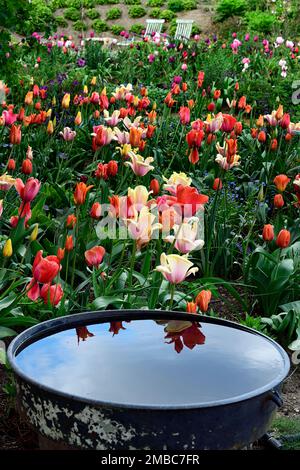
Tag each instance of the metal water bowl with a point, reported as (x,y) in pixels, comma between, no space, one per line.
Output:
(147,380)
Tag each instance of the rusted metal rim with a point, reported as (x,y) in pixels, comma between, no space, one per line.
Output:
(56,325)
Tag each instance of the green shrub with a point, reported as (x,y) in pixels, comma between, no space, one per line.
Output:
(175,5)
(112,2)
(261,22)
(155,3)
(79,25)
(155,12)
(55,4)
(89,3)
(196,29)
(113,14)
(60,20)
(136,11)
(117,28)
(167,15)
(190,4)
(92,13)
(99,26)
(227,8)
(41,19)
(137,28)
(72,14)
(132,2)
(74,4)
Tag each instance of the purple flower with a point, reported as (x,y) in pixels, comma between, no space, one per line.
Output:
(177,79)
(80,62)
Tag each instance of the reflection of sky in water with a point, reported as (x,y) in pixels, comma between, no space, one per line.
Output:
(137,366)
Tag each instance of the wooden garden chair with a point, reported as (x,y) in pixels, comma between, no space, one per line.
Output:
(183,29)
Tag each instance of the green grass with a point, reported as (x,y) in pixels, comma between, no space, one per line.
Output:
(283,426)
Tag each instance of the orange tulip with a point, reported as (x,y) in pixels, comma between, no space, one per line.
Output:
(66,101)
(95,211)
(268,232)
(28,98)
(71,221)
(191,307)
(203,299)
(80,193)
(278,201)
(283,238)
(135,136)
(217,184)
(281,182)
(60,253)
(26,167)
(94,256)
(69,244)
(15,134)
(154,186)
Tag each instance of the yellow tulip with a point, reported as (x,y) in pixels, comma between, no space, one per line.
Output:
(7,250)
(34,233)
(78,119)
(66,101)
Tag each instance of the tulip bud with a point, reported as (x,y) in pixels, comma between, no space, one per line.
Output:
(278,201)
(34,233)
(94,81)
(112,168)
(283,238)
(26,167)
(11,164)
(78,119)
(203,299)
(268,232)
(217,184)
(191,307)
(50,128)
(66,101)
(71,221)
(69,245)
(274,144)
(285,121)
(95,211)
(154,186)
(288,137)
(262,136)
(211,107)
(60,254)
(7,249)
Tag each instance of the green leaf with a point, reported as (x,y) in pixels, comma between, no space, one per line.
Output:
(291,306)
(102,302)
(6,332)
(7,301)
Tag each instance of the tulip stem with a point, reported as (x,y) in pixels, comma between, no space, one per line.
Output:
(172,292)
(132,262)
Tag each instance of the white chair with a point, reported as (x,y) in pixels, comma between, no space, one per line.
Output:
(152,27)
(183,29)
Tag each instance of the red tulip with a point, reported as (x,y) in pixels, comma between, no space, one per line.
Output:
(112,168)
(94,256)
(185,115)
(115,327)
(217,184)
(71,221)
(83,333)
(211,107)
(60,254)
(283,238)
(11,164)
(154,186)
(187,196)
(45,269)
(95,211)
(268,232)
(80,193)
(274,144)
(52,294)
(278,201)
(228,123)
(285,121)
(262,136)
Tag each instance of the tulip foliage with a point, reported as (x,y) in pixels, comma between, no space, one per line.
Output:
(150,183)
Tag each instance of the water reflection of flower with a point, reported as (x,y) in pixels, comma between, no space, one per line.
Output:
(115,327)
(83,333)
(184,334)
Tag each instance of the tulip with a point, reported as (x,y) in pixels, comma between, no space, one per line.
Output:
(68,135)
(139,196)
(29,190)
(45,269)
(28,98)
(223,163)
(262,136)
(9,117)
(283,238)
(95,211)
(185,115)
(112,168)
(154,186)
(50,128)
(278,201)
(228,123)
(285,121)
(60,253)
(185,236)
(175,268)
(78,119)
(6,182)
(34,233)
(139,165)
(141,227)
(1,207)
(69,244)
(191,307)
(268,233)
(80,193)
(94,256)
(115,327)
(112,120)
(135,135)
(66,101)
(175,180)
(11,164)
(33,290)
(189,199)
(274,144)
(281,182)
(71,221)
(26,167)
(52,294)
(101,171)
(203,299)
(15,134)
(7,249)
(211,107)
(217,184)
